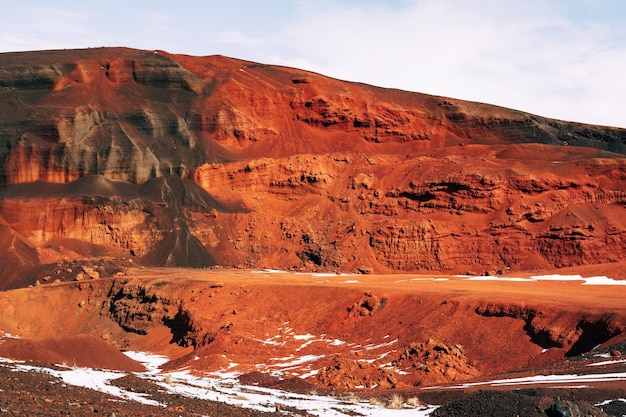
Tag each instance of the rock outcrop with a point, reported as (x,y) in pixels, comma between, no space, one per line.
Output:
(578,335)
(194,161)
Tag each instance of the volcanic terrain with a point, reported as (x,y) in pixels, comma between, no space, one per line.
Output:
(304,232)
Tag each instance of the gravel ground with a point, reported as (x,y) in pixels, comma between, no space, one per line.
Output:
(36,393)
(39,394)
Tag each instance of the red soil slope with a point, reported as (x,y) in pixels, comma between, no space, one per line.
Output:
(118,155)
(81,350)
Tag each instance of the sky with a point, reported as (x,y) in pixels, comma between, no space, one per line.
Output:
(564,59)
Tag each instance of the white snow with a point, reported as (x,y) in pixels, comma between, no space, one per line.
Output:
(275,341)
(380,346)
(613,362)
(331,274)
(287,334)
(597,280)
(4,335)
(94,379)
(546,379)
(291,361)
(335,342)
(152,362)
(307,336)
(602,355)
(603,281)
(606,402)
(497,278)
(225,388)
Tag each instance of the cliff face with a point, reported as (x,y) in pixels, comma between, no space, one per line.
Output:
(487,210)
(178,160)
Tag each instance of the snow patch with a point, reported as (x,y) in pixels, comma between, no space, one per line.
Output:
(613,362)
(597,280)
(307,336)
(269,271)
(152,362)
(430,279)
(97,380)
(545,379)
(224,389)
(607,402)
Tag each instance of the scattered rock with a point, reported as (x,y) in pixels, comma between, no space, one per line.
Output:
(434,362)
(563,408)
(367,306)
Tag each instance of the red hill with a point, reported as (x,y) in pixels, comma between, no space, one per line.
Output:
(111,154)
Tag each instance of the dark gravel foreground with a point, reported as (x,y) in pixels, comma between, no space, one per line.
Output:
(39,394)
(540,402)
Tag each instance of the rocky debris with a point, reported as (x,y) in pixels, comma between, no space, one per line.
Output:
(90,272)
(82,270)
(137,308)
(426,363)
(345,374)
(368,305)
(322,257)
(37,393)
(435,362)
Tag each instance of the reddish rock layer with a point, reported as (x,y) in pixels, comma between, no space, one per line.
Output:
(194,161)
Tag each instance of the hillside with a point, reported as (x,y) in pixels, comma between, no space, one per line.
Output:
(205,235)
(114,155)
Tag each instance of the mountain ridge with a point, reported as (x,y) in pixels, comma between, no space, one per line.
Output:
(289,169)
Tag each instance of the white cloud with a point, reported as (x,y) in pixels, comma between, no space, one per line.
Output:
(43,27)
(238,38)
(525,55)
(557,58)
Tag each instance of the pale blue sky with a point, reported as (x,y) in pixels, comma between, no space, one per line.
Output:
(558,58)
